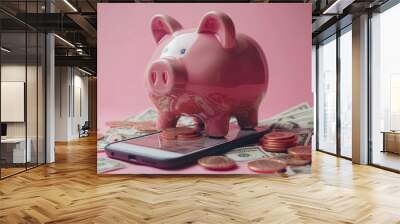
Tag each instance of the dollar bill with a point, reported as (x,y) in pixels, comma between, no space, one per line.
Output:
(247,153)
(121,133)
(106,165)
(300,116)
(305,122)
(298,108)
(149,114)
(304,135)
(308,114)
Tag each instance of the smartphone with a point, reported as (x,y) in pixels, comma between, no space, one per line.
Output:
(152,150)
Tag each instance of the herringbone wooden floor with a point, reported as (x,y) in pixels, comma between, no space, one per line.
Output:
(70,191)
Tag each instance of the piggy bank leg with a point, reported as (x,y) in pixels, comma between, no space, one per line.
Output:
(217,126)
(166,120)
(247,120)
(198,123)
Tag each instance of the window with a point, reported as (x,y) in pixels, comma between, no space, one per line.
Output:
(327,95)
(385,89)
(346,93)
(335,74)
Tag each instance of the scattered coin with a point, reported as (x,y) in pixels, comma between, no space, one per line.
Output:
(297,162)
(188,137)
(300,152)
(217,163)
(281,141)
(279,135)
(266,165)
(168,134)
(291,161)
(185,130)
(180,133)
(278,141)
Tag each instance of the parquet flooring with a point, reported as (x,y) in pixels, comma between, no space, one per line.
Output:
(10,171)
(70,191)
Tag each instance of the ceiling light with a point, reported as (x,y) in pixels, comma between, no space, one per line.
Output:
(70,5)
(5,50)
(64,40)
(84,71)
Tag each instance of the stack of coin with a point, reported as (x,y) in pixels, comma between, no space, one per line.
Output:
(297,162)
(278,141)
(219,163)
(292,161)
(267,165)
(302,152)
(180,133)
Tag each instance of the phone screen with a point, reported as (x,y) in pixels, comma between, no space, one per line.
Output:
(184,146)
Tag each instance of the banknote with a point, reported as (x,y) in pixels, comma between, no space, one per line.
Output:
(298,108)
(247,153)
(106,165)
(116,133)
(300,116)
(304,135)
(304,122)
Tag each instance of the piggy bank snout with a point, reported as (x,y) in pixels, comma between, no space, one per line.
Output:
(165,75)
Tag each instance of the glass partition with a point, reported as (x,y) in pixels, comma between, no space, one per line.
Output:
(23,91)
(327,95)
(31,99)
(13,95)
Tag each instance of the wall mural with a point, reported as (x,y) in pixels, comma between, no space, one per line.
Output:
(204,89)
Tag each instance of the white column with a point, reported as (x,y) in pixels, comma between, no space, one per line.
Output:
(50,98)
(50,92)
(360,90)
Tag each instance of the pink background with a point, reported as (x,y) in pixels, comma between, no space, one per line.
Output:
(125,44)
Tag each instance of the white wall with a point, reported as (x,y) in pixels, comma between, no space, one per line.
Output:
(62,82)
(71,102)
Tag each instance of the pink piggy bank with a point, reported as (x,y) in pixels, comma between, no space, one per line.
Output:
(210,73)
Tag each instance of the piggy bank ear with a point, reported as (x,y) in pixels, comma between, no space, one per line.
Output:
(221,25)
(162,25)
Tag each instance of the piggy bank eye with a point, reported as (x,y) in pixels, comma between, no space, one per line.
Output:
(183,50)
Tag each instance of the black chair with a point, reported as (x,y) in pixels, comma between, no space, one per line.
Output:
(84,130)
